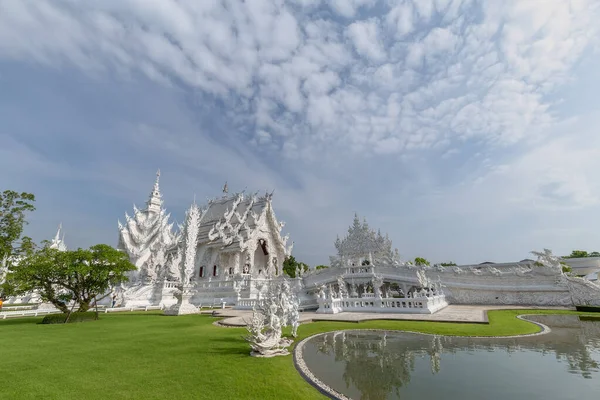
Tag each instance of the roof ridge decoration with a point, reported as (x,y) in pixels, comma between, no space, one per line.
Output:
(226,231)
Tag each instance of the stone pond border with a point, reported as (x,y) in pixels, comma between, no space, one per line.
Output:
(333,394)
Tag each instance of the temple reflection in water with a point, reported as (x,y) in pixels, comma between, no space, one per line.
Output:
(378,363)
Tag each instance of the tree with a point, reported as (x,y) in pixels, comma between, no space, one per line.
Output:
(13,209)
(594,254)
(420,261)
(82,275)
(321,267)
(578,254)
(448,264)
(290,264)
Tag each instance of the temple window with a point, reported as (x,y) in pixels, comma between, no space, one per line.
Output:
(230,270)
(214,270)
(201,274)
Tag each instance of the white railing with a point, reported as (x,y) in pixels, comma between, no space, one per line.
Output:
(27,313)
(137,308)
(245,304)
(424,305)
(18,308)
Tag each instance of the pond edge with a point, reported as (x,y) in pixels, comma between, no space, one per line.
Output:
(335,395)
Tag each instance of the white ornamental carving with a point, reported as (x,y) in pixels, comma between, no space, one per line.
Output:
(277,309)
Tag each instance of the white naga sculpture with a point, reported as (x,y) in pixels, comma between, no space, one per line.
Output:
(547,259)
(277,309)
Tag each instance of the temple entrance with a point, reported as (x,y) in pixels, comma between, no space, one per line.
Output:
(261,258)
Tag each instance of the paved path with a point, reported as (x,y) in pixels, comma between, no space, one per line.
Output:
(452,313)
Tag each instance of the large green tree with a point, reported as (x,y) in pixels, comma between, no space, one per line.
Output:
(290,264)
(14,207)
(82,275)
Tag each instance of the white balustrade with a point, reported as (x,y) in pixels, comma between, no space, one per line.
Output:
(421,305)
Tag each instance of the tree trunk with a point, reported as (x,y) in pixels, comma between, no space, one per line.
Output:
(70,312)
(84,306)
(60,305)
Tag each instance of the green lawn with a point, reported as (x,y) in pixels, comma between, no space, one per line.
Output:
(151,356)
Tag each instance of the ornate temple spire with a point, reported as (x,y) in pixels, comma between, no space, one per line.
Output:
(155,202)
(59,242)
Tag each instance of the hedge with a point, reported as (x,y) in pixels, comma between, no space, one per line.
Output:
(75,317)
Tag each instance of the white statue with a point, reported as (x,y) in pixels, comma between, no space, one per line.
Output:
(423,279)
(278,309)
(343,289)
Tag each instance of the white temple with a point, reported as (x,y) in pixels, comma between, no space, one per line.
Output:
(237,246)
(230,250)
(367,276)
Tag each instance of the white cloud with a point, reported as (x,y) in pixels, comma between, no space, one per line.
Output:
(348,8)
(489,77)
(365,37)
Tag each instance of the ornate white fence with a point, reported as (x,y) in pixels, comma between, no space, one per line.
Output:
(419,305)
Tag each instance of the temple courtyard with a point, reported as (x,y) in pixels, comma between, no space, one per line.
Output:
(152,356)
(452,313)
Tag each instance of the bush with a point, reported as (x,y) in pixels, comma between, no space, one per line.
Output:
(75,317)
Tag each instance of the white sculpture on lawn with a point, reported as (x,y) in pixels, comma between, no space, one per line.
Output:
(277,309)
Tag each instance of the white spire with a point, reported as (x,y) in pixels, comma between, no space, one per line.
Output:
(58,242)
(155,201)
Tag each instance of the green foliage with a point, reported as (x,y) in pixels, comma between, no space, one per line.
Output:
(582,254)
(290,264)
(13,209)
(448,264)
(420,261)
(75,275)
(578,254)
(566,268)
(321,266)
(74,317)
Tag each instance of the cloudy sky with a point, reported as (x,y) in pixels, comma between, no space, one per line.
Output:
(467,130)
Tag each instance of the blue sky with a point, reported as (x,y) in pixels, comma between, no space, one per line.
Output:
(466,130)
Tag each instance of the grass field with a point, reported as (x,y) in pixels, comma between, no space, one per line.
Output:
(151,356)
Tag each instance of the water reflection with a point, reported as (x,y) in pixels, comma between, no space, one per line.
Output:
(378,364)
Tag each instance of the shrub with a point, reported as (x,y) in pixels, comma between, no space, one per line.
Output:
(75,317)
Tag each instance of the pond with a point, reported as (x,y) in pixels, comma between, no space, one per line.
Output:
(563,364)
